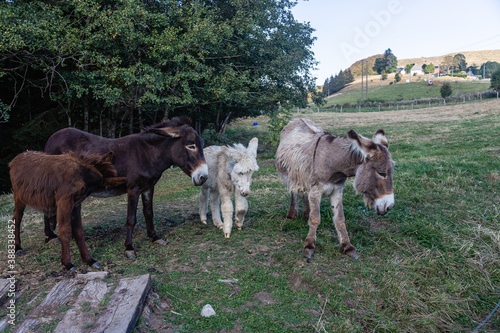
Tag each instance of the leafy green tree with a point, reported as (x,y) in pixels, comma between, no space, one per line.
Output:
(408,68)
(495,81)
(397,77)
(429,69)
(134,61)
(490,67)
(384,75)
(318,98)
(446,90)
(460,61)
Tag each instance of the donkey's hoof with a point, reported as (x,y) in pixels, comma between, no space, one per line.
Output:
(72,269)
(239,228)
(130,254)
(350,251)
(19,252)
(227,235)
(219,226)
(204,222)
(161,242)
(96,265)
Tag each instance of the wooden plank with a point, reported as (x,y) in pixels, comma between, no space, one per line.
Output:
(80,315)
(125,306)
(61,293)
(4,290)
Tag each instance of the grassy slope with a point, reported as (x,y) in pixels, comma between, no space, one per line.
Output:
(430,265)
(405,91)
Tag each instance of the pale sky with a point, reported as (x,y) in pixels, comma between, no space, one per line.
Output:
(350,30)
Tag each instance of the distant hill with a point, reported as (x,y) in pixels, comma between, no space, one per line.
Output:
(356,67)
(471,57)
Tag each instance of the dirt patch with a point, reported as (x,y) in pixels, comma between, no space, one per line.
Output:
(265,297)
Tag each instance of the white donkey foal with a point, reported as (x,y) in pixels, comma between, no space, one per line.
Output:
(230,171)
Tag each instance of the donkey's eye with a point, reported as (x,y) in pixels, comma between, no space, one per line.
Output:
(382,174)
(191,147)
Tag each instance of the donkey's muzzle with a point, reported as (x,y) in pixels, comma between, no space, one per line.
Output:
(200,175)
(384,204)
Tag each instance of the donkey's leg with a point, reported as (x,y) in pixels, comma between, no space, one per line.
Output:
(147,209)
(314,220)
(17,218)
(293,211)
(241,206)
(307,209)
(203,203)
(226,207)
(77,232)
(339,221)
(215,208)
(133,200)
(49,219)
(64,209)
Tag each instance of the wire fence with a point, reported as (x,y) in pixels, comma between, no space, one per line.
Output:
(373,106)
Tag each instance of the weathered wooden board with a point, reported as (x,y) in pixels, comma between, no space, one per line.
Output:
(93,305)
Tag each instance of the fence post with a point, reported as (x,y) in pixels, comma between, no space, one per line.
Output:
(341,109)
(379,104)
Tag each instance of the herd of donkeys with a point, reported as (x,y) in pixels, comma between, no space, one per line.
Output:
(310,161)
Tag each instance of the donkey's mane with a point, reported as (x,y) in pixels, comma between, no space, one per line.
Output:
(175,122)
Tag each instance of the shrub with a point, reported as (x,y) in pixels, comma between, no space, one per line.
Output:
(446,90)
(278,120)
(495,81)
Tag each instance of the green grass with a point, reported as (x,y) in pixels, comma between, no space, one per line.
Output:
(405,91)
(430,265)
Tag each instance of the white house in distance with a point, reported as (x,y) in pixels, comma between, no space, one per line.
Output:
(416,70)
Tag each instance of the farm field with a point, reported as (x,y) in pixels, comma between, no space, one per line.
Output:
(404,91)
(430,265)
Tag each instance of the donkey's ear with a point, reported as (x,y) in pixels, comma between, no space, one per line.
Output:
(364,145)
(252,147)
(380,138)
(165,131)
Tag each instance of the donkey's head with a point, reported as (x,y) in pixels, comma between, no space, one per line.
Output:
(245,165)
(186,151)
(374,175)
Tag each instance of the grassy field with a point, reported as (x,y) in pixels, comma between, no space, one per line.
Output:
(431,265)
(405,91)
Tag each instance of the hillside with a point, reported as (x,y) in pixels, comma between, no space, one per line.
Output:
(356,67)
(472,57)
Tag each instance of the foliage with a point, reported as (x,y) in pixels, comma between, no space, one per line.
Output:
(495,81)
(397,77)
(429,69)
(460,61)
(318,98)
(337,82)
(384,75)
(446,90)
(449,64)
(277,121)
(138,61)
(408,68)
(388,63)
(490,67)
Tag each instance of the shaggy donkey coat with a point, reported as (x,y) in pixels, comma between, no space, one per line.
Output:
(59,184)
(316,163)
(230,171)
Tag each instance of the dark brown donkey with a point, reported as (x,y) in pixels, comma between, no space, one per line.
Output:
(141,158)
(59,184)
(315,163)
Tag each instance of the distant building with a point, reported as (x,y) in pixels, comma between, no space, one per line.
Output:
(437,71)
(401,70)
(416,70)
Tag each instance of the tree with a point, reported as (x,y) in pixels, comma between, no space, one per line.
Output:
(449,64)
(429,69)
(446,90)
(495,81)
(490,67)
(408,68)
(397,77)
(388,63)
(318,98)
(384,75)
(460,62)
(126,60)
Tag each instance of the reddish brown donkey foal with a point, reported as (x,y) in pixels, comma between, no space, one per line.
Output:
(58,184)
